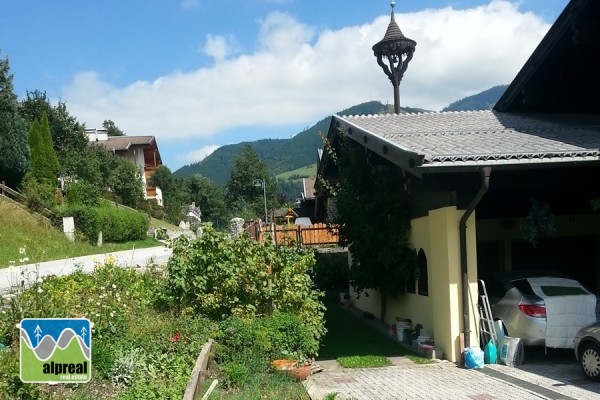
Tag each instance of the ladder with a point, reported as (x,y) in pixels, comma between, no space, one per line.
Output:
(487,328)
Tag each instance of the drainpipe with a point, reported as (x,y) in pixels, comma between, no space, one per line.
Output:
(485,184)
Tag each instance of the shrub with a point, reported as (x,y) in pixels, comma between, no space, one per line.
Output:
(85,218)
(39,195)
(83,193)
(221,276)
(255,342)
(122,225)
(116,224)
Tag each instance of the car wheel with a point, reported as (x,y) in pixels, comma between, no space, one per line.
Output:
(589,360)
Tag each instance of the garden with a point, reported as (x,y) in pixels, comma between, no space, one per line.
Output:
(149,324)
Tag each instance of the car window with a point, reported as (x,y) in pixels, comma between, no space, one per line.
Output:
(563,290)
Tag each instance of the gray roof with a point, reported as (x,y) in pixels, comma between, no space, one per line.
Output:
(474,138)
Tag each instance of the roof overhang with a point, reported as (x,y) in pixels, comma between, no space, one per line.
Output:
(546,144)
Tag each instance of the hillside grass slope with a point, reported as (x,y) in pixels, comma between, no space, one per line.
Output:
(21,230)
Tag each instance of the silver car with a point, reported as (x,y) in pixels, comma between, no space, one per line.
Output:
(519,300)
(587,350)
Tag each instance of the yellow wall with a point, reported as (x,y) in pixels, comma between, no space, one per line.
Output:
(440,312)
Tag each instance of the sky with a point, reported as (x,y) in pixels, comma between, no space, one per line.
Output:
(200,74)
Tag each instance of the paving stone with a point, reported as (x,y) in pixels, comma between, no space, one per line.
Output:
(446,380)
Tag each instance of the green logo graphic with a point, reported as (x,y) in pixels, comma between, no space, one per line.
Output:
(57,350)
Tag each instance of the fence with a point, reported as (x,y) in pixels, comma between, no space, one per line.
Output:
(313,235)
(19,198)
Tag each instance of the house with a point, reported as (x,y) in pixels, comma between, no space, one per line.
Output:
(305,205)
(474,177)
(140,150)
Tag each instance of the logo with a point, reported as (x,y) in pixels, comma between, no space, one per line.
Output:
(57,350)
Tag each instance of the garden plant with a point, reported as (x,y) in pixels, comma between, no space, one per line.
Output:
(149,324)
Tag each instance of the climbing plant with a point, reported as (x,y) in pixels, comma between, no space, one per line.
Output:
(372,211)
(539,223)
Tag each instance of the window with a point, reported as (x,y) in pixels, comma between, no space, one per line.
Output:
(422,277)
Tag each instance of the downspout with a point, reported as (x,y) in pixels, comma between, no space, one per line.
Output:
(485,184)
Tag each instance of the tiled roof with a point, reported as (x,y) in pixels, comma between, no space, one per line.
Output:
(120,143)
(480,137)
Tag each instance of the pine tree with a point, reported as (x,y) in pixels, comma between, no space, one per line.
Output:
(14,149)
(44,162)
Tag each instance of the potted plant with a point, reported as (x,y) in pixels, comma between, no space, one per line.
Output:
(283,364)
(295,364)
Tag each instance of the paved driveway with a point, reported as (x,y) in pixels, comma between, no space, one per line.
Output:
(446,380)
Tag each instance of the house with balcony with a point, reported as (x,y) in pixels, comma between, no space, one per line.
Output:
(140,150)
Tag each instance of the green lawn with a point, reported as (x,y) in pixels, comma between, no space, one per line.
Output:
(351,338)
(307,171)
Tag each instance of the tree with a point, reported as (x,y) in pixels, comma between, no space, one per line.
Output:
(126,182)
(112,129)
(14,149)
(209,197)
(44,167)
(374,220)
(175,196)
(244,195)
(68,135)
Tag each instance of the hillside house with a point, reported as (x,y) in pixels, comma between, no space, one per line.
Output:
(474,178)
(140,150)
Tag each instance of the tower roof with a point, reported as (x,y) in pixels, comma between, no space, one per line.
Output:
(394,39)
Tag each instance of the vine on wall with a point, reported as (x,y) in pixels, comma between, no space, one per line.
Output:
(373,217)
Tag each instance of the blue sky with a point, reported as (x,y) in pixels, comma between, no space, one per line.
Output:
(199,74)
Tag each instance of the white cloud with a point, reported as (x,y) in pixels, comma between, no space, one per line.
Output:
(298,75)
(197,155)
(218,47)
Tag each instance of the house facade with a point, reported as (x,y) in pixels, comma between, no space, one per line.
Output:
(140,150)
(479,181)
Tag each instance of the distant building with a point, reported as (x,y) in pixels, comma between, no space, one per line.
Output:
(140,150)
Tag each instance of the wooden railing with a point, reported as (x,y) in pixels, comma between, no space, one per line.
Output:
(313,235)
(19,198)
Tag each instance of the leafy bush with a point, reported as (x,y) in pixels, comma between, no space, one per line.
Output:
(134,345)
(122,225)
(83,193)
(220,276)
(255,342)
(85,218)
(234,374)
(39,195)
(116,224)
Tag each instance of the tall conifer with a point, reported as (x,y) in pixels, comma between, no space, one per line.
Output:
(14,149)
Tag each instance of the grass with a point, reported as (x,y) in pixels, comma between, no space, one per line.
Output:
(364,361)
(351,339)
(19,228)
(262,386)
(307,171)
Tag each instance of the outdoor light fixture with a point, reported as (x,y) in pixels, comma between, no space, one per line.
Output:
(259,183)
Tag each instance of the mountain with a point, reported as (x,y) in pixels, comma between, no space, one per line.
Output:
(480,101)
(282,155)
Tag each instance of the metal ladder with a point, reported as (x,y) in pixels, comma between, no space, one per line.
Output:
(486,324)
